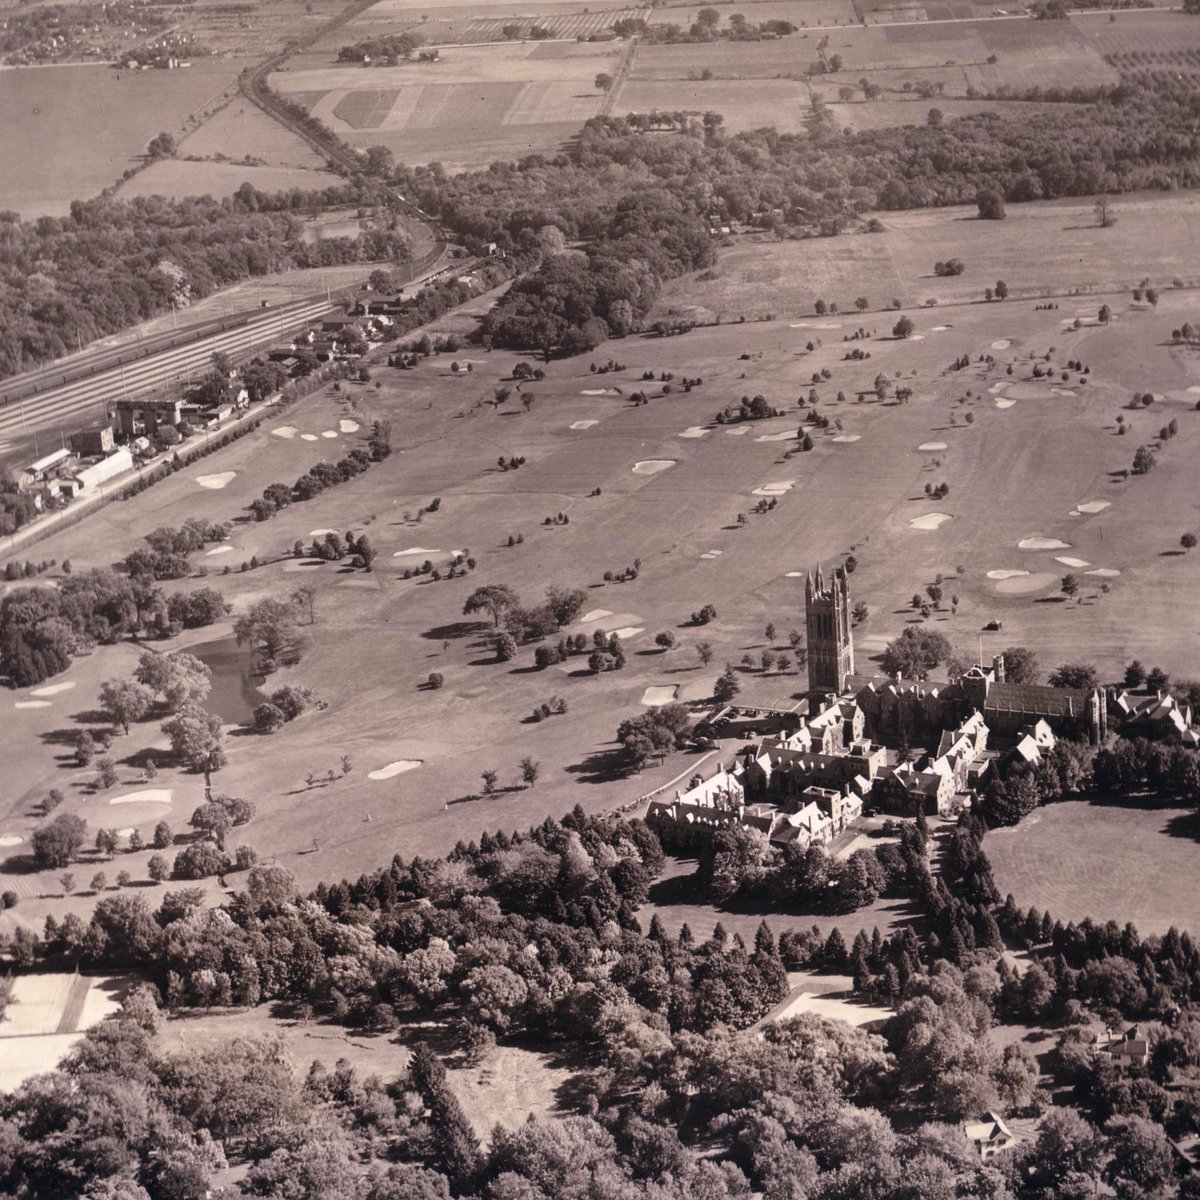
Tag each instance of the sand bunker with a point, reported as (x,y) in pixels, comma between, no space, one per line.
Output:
(218,550)
(1002,344)
(320,532)
(329,433)
(1042,543)
(1006,573)
(10,839)
(741,432)
(597,392)
(628,631)
(597,614)
(775,489)
(1105,572)
(1093,506)
(219,480)
(32,704)
(52,689)
(310,437)
(1005,403)
(1062,391)
(1027,584)
(916,337)
(1194,391)
(795,574)
(930,446)
(786,436)
(1077,563)
(815,325)
(146,796)
(941,328)
(348,426)
(848,437)
(999,387)
(931,521)
(711,554)
(285,431)
(652,466)
(415,550)
(693,431)
(654,696)
(583,424)
(395,768)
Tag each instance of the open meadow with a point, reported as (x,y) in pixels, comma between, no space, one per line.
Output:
(75,130)
(671,484)
(1148,859)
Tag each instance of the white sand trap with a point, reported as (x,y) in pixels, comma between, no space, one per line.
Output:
(126,831)
(941,328)
(395,768)
(654,696)
(1042,543)
(218,550)
(999,387)
(1027,584)
(929,447)
(693,431)
(10,839)
(1006,573)
(652,466)
(739,432)
(1005,403)
(786,436)
(310,437)
(583,424)
(415,550)
(915,337)
(815,325)
(597,614)
(711,554)
(285,431)
(329,433)
(1002,344)
(320,532)
(795,574)
(1093,506)
(846,438)
(597,392)
(628,631)
(1062,391)
(348,426)
(145,796)
(1194,391)
(1105,572)
(53,689)
(216,482)
(775,489)
(931,521)
(32,704)
(1076,563)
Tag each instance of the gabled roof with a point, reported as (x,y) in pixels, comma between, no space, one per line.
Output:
(1034,698)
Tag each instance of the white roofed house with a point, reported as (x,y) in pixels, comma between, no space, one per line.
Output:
(990,1135)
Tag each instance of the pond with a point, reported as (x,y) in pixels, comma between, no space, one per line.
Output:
(234,695)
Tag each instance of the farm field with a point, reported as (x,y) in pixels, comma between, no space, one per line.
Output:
(475,105)
(1148,857)
(76,129)
(671,485)
(1154,39)
(801,13)
(177,178)
(744,103)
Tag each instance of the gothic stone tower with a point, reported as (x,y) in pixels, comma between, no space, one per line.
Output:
(830,642)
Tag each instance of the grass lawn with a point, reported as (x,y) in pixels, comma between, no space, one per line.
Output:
(1103,861)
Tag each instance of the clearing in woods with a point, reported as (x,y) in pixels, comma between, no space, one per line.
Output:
(1049,861)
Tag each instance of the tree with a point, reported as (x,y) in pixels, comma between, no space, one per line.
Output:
(1074,675)
(1001,290)
(566,604)
(666,640)
(106,772)
(1069,585)
(57,844)
(179,678)
(1188,541)
(991,205)
(530,770)
(162,837)
(1021,665)
(1105,314)
(494,598)
(490,779)
(1135,674)
(1103,208)
(727,687)
(1142,1162)
(125,701)
(1157,679)
(196,737)
(268,718)
(915,653)
(704,652)
(903,327)
(270,629)
(212,820)
(99,881)
(862,304)
(603,82)
(158,868)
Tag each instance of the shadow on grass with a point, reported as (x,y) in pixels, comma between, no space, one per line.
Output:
(457,629)
(604,766)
